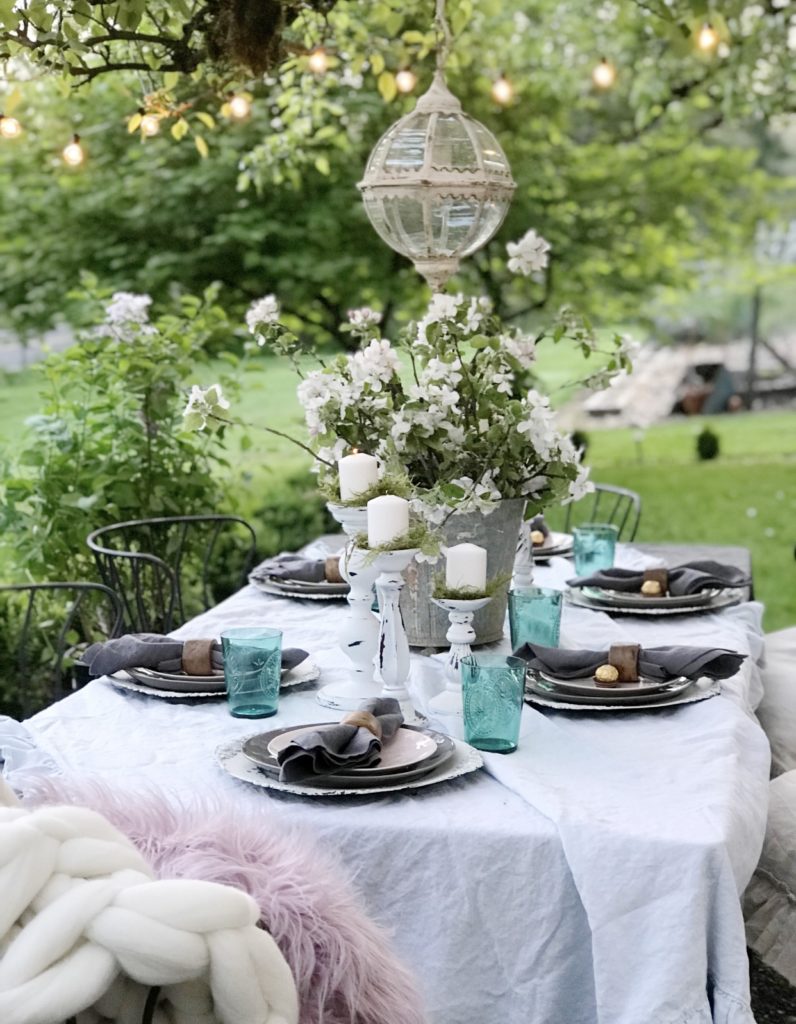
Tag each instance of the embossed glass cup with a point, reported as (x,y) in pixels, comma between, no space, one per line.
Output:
(593,547)
(534,616)
(252,670)
(492,689)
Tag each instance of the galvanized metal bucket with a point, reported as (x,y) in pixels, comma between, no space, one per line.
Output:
(426,624)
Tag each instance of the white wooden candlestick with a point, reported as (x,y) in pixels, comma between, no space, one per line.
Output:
(359,636)
(392,655)
(523,562)
(447,706)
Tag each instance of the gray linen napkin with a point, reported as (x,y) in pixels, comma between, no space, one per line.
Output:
(289,566)
(162,653)
(688,578)
(326,751)
(658,663)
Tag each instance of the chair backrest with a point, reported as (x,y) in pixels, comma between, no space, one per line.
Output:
(167,569)
(607,504)
(45,627)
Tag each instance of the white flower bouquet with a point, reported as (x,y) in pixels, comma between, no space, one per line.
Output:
(453,406)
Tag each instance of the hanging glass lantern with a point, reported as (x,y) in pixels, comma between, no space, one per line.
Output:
(437,185)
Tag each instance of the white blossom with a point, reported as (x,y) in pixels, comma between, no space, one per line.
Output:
(434,513)
(539,426)
(521,347)
(440,370)
(262,313)
(204,404)
(580,486)
(503,381)
(529,254)
(475,313)
(127,308)
(364,317)
(534,486)
(375,365)
(332,453)
(441,308)
(323,396)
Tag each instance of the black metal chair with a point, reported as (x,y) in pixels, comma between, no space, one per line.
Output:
(45,632)
(167,569)
(607,504)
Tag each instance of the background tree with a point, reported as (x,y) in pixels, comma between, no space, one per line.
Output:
(633,186)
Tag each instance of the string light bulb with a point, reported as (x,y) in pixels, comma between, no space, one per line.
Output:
(502,90)
(150,125)
(318,61)
(405,80)
(239,106)
(10,128)
(73,153)
(604,74)
(707,38)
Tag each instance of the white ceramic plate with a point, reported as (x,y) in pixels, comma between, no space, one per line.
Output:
(230,757)
(307,672)
(587,686)
(570,702)
(623,599)
(406,748)
(725,599)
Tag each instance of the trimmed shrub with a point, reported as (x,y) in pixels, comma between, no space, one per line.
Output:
(707,444)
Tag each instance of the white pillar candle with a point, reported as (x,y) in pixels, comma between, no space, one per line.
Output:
(465,568)
(388,519)
(358,473)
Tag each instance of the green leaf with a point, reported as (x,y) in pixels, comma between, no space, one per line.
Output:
(180,129)
(387,86)
(201,146)
(170,79)
(377,63)
(207,119)
(322,165)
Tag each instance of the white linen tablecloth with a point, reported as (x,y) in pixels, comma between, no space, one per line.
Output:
(592,877)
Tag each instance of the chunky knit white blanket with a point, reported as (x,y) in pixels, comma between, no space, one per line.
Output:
(86,931)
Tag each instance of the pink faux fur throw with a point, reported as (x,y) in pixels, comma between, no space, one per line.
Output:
(344,968)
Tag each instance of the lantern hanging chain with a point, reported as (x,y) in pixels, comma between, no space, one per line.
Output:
(444,37)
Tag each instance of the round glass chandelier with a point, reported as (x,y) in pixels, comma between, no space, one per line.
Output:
(437,184)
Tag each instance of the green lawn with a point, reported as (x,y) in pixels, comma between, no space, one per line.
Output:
(747,496)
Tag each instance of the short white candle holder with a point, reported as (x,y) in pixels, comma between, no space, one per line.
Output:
(447,706)
(359,638)
(392,655)
(523,562)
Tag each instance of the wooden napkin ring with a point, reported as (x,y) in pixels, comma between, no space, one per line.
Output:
(197,657)
(659,576)
(364,720)
(332,570)
(624,658)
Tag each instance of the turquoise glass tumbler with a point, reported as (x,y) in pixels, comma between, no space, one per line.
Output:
(534,616)
(594,547)
(252,670)
(492,688)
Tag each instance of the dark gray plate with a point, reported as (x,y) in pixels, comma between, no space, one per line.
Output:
(255,748)
(548,689)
